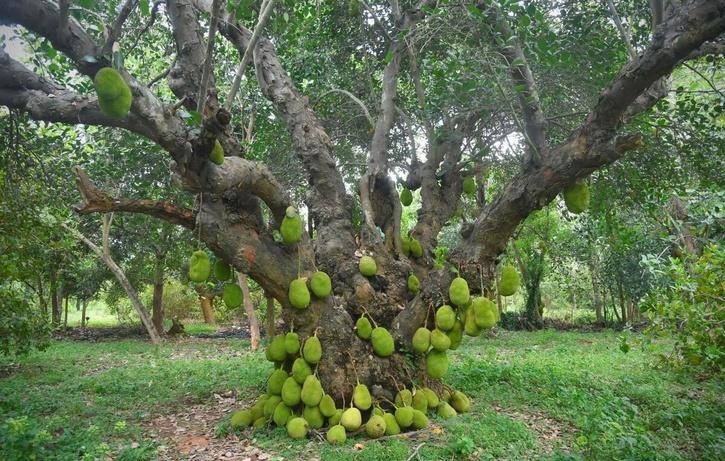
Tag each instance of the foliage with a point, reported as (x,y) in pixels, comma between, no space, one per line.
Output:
(22,327)
(689,307)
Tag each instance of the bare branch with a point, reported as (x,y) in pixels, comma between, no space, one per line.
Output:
(622,30)
(356,100)
(114,32)
(209,56)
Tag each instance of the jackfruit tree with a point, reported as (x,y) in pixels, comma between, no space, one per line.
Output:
(382,297)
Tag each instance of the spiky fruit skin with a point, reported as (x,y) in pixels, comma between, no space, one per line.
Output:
(351,419)
(458,292)
(420,401)
(312,350)
(260,423)
(404,416)
(446,411)
(199,267)
(404,398)
(114,95)
(406,197)
(335,419)
(311,391)
(241,418)
(470,326)
(217,153)
(456,335)
(509,281)
(445,317)
(420,420)
(282,414)
(413,284)
(297,428)
(367,266)
(436,364)
(421,340)
(327,406)
(405,240)
(375,427)
(391,424)
(336,434)
(416,250)
(361,397)
(484,312)
(382,341)
(432,397)
(275,350)
(299,295)
(276,381)
(291,343)
(439,340)
(576,197)
(291,227)
(222,271)
(469,186)
(363,328)
(313,417)
(291,392)
(271,404)
(300,370)
(232,295)
(320,284)
(460,402)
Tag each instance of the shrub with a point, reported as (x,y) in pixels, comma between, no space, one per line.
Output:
(22,325)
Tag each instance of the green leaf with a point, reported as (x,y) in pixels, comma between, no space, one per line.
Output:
(144,6)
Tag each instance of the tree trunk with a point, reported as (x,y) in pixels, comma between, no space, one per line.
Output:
(622,304)
(56,294)
(83,313)
(42,300)
(207,309)
(157,310)
(596,296)
(249,309)
(269,320)
(65,314)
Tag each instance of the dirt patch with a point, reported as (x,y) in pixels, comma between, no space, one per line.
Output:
(101,334)
(551,434)
(190,435)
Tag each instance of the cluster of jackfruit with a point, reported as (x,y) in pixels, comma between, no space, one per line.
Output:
(114,95)
(299,295)
(411,246)
(291,227)
(380,338)
(576,197)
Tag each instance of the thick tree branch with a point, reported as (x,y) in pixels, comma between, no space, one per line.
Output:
(208,56)
(97,201)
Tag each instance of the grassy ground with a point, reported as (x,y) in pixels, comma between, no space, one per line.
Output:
(546,395)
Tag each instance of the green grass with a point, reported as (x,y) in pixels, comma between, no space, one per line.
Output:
(89,400)
(98,313)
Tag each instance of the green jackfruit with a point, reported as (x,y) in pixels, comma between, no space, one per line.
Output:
(291,343)
(404,416)
(576,197)
(335,419)
(233,295)
(276,381)
(336,434)
(217,153)
(114,95)
(391,424)
(470,326)
(297,428)
(291,392)
(375,427)
(327,406)
(420,401)
(282,414)
(377,411)
(469,186)
(439,340)
(484,312)
(313,417)
(222,270)
(363,327)
(406,197)
(432,397)
(421,340)
(420,420)
(382,341)
(416,250)
(199,267)
(367,266)
(312,350)
(311,391)
(299,295)
(320,284)
(361,397)
(404,398)
(300,370)
(241,419)
(275,350)
(509,281)
(460,402)
(458,292)
(413,284)
(445,317)
(436,364)
(406,244)
(456,335)
(291,227)
(271,404)
(260,423)
(351,419)
(446,411)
